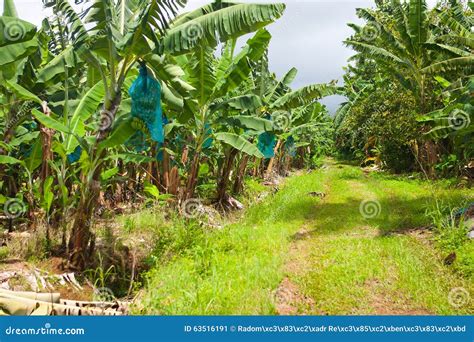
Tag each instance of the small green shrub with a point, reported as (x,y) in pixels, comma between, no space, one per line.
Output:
(451,236)
(4,252)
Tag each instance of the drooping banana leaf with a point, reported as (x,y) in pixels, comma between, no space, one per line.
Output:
(9,160)
(251,122)
(16,40)
(239,143)
(216,23)
(49,122)
(86,108)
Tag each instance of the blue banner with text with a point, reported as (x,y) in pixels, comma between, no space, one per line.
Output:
(238,328)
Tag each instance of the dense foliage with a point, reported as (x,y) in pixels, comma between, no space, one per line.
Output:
(75,140)
(409,88)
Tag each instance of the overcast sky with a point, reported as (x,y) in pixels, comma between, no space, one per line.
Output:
(309,37)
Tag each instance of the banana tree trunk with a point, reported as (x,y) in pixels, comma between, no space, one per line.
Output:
(239,180)
(192,177)
(81,230)
(174,181)
(285,165)
(166,170)
(269,171)
(224,179)
(46,135)
(256,167)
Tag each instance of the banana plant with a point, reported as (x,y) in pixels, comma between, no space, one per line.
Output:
(24,52)
(403,45)
(284,105)
(219,101)
(455,121)
(111,36)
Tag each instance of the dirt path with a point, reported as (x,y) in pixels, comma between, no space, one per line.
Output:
(361,252)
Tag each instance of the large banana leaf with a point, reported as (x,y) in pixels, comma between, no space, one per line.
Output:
(169,97)
(21,92)
(9,160)
(35,159)
(167,70)
(86,108)
(240,67)
(239,143)
(401,24)
(9,9)
(120,134)
(376,52)
(16,40)
(305,95)
(251,122)
(140,20)
(417,22)
(243,103)
(218,23)
(450,64)
(201,73)
(49,122)
(55,70)
(76,29)
(284,82)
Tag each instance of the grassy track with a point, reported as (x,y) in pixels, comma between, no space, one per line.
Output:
(297,253)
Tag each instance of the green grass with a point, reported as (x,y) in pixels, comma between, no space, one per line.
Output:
(236,269)
(346,263)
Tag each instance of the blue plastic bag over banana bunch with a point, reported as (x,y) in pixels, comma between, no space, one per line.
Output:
(207,144)
(146,104)
(75,156)
(266,144)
